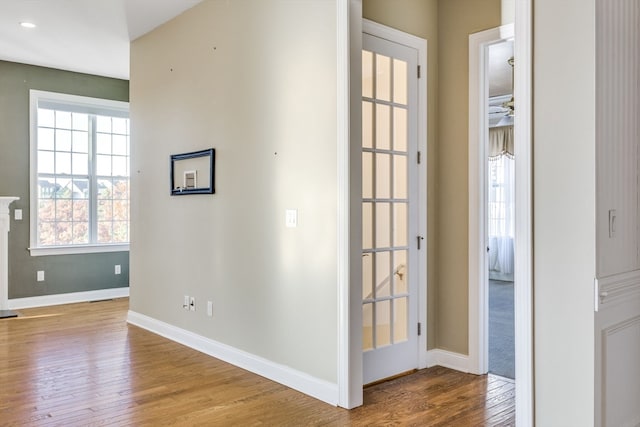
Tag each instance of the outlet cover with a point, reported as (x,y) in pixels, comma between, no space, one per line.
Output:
(117,269)
(291,218)
(18,214)
(40,276)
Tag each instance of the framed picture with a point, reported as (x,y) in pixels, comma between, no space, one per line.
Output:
(193,173)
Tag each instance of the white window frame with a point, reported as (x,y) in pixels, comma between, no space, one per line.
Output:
(94,106)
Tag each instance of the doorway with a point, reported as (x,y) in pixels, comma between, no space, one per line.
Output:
(500,210)
(350,381)
(479,249)
(479,44)
(392,240)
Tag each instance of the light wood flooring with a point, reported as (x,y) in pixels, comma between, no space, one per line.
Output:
(82,364)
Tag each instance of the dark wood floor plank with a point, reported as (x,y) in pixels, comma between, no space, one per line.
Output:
(82,364)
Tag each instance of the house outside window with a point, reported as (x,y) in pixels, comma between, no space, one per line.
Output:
(79,174)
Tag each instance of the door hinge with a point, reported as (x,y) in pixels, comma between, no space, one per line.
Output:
(596,294)
(419,157)
(419,328)
(419,239)
(419,71)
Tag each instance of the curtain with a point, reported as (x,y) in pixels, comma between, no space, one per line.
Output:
(501,203)
(501,142)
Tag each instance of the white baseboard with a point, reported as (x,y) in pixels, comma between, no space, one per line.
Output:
(448,359)
(70,298)
(304,383)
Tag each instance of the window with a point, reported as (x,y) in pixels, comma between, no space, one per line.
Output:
(501,196)
(79,174)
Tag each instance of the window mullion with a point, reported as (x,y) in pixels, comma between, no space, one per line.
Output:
(93,182)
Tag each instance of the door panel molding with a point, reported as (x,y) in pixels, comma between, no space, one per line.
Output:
(618,372)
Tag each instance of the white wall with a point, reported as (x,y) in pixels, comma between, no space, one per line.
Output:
(508,11)
(256,80)
(564,211)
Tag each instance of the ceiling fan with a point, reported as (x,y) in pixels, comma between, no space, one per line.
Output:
(510,105)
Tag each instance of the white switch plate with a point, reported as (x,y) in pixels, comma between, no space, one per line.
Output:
(210,308)
(291,218)
(40,276)
(185,302)
(192,303)
(117,269)
(17,214)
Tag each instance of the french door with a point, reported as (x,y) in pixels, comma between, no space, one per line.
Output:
(389,208)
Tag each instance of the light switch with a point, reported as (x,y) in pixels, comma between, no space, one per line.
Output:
(40,276)
(291,218)
(17,214)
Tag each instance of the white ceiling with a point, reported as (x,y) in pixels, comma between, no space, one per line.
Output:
(500,83)
(93,36)
(87,36)
(499,69)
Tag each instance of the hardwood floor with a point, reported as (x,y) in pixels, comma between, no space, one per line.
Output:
(81,364)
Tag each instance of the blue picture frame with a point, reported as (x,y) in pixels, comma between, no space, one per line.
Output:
(193,173)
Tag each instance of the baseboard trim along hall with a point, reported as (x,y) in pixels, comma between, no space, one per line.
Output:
(70,298)
(448,359)
(304,383)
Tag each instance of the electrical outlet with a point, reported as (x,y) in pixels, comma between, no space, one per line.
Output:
(40,276)
(291,218)
(117,269)
(185,302)
(210,308)
(192,304)
(18,214)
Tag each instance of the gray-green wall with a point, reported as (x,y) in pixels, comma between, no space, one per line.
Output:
(63,273)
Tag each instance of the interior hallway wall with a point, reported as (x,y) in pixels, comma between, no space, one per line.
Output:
(63,273)
(420,18)
(256,80)
(564,233)
(456,20)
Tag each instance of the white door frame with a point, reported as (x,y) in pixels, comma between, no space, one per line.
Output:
(349,208)
(523,274)
(478,134)
(350,27)
(478,126)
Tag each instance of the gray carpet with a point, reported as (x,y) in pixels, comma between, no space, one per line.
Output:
(501,331)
